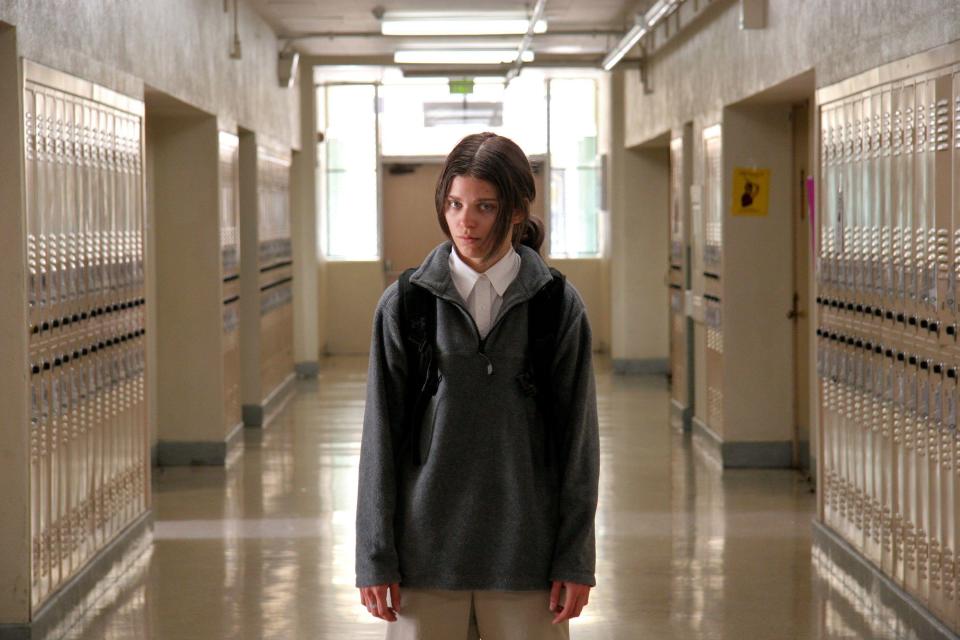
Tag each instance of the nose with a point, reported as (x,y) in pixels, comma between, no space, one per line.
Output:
(467,220)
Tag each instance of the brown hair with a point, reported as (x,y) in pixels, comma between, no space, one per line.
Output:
(499,161)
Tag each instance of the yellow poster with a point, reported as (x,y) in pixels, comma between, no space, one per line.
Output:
(751,189)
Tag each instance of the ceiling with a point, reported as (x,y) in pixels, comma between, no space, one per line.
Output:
(580,32)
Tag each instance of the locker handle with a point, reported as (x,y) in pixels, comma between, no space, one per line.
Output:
(934,326)
(924,323)
(889,315)
(912,321)
(951,329)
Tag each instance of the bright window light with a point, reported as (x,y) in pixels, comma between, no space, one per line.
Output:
(350,173)
(457,24)
(575,173)
(462,56)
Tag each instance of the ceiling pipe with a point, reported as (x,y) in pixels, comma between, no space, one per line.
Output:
(527,40)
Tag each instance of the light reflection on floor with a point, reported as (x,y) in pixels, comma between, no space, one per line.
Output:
(264,548)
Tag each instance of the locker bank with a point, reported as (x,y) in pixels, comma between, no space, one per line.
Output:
(203,201)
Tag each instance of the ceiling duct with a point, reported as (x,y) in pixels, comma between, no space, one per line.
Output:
(488,114)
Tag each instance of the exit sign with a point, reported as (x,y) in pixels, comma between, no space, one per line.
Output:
(461,86)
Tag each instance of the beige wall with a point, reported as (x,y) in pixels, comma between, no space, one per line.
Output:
(713,63)
(758,281)
(352,291)
(177,46)
(188,304)
(638,302)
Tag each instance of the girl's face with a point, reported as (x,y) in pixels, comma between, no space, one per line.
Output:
(471,211)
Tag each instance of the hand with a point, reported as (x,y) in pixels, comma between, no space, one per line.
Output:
(576,598)
(375,600)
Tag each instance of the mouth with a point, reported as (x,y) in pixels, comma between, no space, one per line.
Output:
(469,239)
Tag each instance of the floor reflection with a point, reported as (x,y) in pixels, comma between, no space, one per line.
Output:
(264,548)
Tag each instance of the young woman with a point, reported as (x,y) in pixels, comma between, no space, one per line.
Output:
(466,521)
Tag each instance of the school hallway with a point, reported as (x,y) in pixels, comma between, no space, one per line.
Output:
(264,547)
(203,202)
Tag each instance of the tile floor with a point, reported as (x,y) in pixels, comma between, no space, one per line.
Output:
(264,548)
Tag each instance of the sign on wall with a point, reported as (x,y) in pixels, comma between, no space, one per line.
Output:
(751,188)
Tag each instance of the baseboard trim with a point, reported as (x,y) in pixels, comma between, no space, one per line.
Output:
(174,453)
(258,416)
(774,454)
(681,417)
(307,369)
(880,593)
(72,601)
(641,366)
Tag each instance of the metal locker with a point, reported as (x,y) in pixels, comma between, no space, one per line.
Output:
(88,443)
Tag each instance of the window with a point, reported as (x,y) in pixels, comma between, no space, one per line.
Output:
(350,181)
(575,174)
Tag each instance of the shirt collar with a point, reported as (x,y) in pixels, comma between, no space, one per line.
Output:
(500,274)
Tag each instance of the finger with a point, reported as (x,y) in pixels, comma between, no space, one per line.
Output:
(395,596)
(579,608)
(383,611)
(554,595)
(569,605)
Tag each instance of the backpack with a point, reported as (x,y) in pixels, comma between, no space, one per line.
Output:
(418,328)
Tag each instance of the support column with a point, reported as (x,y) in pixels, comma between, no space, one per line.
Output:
(303,188)
(189,303)
(639,229)
(15,552)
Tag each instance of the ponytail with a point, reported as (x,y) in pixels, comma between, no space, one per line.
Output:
(530,233)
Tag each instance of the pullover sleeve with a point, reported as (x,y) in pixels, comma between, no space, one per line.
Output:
(376,553)
(574,557)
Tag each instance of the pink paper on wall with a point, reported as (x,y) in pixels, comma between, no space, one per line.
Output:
(812,208)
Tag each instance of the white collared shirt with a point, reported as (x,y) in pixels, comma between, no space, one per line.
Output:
(483,292)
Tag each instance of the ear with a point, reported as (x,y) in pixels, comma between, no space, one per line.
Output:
(517,217)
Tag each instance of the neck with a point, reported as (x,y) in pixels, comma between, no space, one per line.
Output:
(482,266)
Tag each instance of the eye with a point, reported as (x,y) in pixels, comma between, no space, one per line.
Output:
(488,206)
(454,204)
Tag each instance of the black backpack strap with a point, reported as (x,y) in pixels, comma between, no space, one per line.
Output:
(418,328)
(543,327)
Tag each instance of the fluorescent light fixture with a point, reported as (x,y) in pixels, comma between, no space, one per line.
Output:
(644,25)
(629,40)
(460,56)
(410,23)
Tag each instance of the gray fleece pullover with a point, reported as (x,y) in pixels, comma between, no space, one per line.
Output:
(482,511)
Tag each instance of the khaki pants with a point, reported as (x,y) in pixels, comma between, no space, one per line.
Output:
(428,614)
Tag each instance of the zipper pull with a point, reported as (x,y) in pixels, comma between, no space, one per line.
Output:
(489,364)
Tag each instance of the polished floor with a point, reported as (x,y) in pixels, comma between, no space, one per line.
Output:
(264,548)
